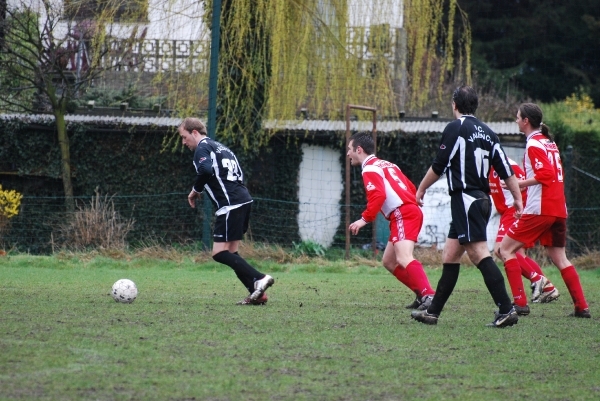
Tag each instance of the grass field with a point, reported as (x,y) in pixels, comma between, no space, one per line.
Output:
(328,333)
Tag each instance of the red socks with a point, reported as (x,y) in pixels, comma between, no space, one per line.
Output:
(571,279)
(526,270)
(532,271)
(534,266)
(513,274)
(414,277)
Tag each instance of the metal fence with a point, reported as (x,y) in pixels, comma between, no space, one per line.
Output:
(168,219)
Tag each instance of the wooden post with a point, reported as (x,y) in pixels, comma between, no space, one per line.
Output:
(348,184)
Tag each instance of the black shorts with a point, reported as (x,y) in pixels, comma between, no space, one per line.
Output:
(471,212)
(232,225)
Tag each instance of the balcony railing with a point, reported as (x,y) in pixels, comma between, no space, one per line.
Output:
(164,55)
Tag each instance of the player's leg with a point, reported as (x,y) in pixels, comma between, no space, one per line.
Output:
(404,255)
(555,242)
(452,253)
(542,290)
(394,266)
(571,278)
(405,224)
(229,230)
(527,270)
(477,207)
(506,220)
(450,270)
(391,264)
(508,252)
(527,230)
(410,271)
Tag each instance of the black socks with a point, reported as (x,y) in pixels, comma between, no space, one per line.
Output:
(444,287)
(243,270)
(494,282)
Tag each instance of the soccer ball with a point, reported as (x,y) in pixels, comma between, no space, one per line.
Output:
(124,291)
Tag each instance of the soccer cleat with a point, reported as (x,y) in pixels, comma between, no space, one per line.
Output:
(260,286)
(424,317)
(549,296)
(537,288)
(522,310)
(262,300)
(415,304)
(582,313)
(425,302)
(504,320)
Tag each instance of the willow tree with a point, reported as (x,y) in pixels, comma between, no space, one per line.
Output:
(278,57)
(47,61)
(293,54)
(437,53)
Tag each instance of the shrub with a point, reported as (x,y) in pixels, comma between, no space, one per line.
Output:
(96,225)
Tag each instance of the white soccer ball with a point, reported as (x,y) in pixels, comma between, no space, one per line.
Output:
(124,291)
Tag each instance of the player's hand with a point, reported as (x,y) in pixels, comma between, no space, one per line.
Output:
(192,198)
(419,197)
(356,226)
(518,209)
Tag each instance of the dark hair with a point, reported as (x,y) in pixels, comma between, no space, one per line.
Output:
(465,99)
(364,140)
(192,123)
(534,114)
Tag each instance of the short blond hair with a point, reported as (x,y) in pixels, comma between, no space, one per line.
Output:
(192,123)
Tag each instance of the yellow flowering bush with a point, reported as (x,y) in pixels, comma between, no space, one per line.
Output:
(580,102)
(9,202)
(577,112)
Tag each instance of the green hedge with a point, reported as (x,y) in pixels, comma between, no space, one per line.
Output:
(150,183)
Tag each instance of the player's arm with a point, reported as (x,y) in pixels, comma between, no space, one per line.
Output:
(523,184)
(203,165)
(512,184)
(543,169)
(449,138)
(375,189)
(430,178)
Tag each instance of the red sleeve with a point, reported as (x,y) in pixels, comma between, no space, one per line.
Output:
(518,172)
(375,190)
(543,170)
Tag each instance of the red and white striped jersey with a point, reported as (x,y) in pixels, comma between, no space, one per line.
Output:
(542,162)
(386,186)
(502,197)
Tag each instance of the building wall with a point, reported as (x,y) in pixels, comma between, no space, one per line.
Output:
(320,192)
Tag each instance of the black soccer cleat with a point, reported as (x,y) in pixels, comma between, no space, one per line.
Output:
(504,320)
(424,317)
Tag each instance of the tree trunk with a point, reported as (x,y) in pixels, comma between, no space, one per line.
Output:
(3,4)
(65,156)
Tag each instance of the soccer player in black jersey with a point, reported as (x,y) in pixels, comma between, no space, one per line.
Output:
(468,149)
(220,175)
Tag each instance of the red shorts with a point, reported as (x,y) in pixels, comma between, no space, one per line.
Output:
(549,230)
(506,221)
(405,223)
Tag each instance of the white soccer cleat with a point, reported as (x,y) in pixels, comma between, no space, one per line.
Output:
(549,296)
(260,286)
(537,288)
